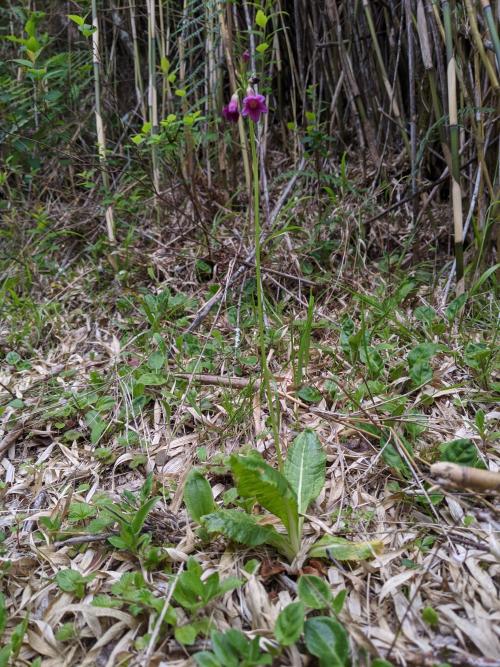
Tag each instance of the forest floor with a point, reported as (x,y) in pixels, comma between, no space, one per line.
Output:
(101,385)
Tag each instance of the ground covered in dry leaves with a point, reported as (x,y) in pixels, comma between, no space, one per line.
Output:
(100,385)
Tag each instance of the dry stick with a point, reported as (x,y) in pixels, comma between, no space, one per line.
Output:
(101,137)
(207,307)
(455,163)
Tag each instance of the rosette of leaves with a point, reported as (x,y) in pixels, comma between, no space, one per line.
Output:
(286,494)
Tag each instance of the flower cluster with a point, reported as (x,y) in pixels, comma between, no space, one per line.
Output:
(254,105)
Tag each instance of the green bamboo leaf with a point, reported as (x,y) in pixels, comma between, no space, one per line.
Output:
(256,479)
(305,468)
(198,496)
(342,549)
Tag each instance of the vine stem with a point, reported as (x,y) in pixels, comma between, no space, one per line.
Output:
(266,375)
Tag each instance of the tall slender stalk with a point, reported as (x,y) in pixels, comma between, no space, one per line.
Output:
(101,136)
(266,375)
(455,157)
(152,94)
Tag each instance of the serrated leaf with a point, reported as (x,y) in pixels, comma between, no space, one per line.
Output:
(326,639)
(289,624)
(198,496)
(342,549)
(315,592)
(257,479)
(305,468)
(244,528)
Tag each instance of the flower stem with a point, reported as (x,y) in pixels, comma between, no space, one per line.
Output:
(266,375)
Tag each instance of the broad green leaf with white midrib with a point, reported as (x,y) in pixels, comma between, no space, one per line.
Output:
(305,468)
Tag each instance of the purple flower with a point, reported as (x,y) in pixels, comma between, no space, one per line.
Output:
(230,111)
(246,56)
(253,105)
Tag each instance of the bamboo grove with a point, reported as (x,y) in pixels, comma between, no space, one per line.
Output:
(412,84)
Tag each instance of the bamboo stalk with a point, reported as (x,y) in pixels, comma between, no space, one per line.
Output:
(139,87)
(383,73)
(490,21)
(455,158)
(101,136)
(478,43)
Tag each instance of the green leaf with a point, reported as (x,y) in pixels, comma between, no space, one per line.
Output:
(261,19)
(456,306)
(430,616)
(142,514)
(13,357)
(240,527)
(206,659)
(289,624)
(326,639)
(3,613)
(305,468)
(342,549)
(71,581)
(380,662)
(425,314)
(462,451)
(262,48)
(315,592)
(256,479)
(310,394)
(152,380)
(5,655)
(186,634)
(156,361)
(198,496)
(76,19)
